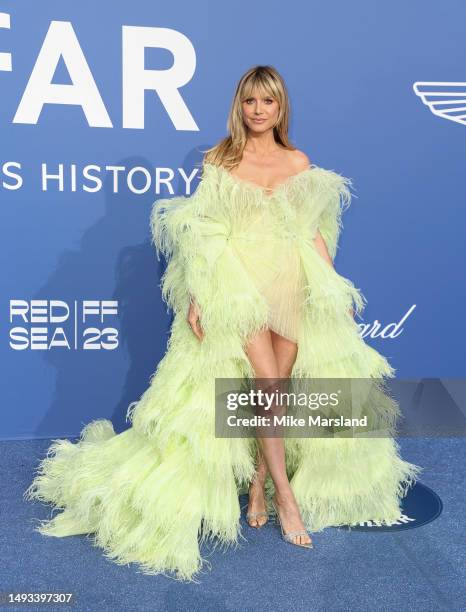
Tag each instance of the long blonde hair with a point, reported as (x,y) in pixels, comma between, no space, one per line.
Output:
(229,151)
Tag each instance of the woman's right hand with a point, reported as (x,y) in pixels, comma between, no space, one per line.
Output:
(193,319)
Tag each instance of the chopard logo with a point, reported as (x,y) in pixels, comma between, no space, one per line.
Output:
(444,99)
(391,330)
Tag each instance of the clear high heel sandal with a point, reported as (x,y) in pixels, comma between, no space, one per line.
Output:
(254,515)
(288,537)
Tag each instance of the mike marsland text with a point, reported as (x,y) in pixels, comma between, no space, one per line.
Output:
(292,421)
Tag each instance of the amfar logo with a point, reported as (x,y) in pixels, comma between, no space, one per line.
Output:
(447,100)
(419,507)
(61,42)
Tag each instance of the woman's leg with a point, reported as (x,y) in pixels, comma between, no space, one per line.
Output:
(261,354)
(272,357)
(285,356)
(256,492)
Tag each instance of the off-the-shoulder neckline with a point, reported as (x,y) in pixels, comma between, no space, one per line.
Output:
(260,188)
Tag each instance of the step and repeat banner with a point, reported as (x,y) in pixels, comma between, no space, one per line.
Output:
(107,106)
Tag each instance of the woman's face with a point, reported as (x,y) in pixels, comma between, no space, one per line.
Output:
(260,111)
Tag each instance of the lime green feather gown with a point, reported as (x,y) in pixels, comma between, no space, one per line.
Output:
(153,493)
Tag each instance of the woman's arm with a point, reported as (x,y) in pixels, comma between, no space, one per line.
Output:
(321,248)
(193,318)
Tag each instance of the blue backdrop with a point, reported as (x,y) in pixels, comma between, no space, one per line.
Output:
(83,324)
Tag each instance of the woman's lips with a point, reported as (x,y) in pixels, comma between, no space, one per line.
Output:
(258,120)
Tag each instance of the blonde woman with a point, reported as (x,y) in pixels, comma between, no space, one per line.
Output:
(251,281)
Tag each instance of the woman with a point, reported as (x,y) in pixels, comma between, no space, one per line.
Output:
(250,262)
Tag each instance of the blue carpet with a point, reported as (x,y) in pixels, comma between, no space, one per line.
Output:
(413,569)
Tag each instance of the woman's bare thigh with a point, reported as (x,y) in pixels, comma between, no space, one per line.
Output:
(286,352)
(261,353)
(271,355)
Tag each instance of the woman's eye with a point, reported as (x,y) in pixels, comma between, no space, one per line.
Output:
(267,100)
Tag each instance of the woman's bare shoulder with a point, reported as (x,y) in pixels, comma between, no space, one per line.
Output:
(300,160)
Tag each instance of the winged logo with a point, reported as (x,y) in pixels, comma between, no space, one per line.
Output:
(447,100)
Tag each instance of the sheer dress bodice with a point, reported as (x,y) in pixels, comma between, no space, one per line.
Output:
(267,249)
